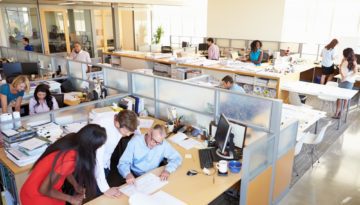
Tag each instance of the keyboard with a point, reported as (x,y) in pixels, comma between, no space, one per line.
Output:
(207,158)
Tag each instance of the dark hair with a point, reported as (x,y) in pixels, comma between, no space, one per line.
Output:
(48,98)
(227,79)
(26,40)
(350,57)
(77,42)
(210,40)
(332,44)
(253,45)
(85,143)
(127,119)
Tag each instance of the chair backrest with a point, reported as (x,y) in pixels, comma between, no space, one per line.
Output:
(298,147)
(332,83)
(294,99)
(321,134)
(265,57)
(59,99)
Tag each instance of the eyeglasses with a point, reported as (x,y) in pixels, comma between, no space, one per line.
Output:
(155,142)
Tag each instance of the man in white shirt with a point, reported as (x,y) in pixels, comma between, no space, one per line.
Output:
(213,50)
(80,55)
(122,125)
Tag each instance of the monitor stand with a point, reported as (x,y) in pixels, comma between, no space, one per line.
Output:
(230,156)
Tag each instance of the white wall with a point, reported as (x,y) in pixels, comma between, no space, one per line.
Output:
(245,19)
(3,35)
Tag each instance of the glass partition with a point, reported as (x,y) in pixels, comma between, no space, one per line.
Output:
(245,108)
(12,53)
(116,79)
(75,69)
(45,62)
(33,57)
(4,52)
(22,56)
(287,138)
(59,63)
(189,96)
(143,85)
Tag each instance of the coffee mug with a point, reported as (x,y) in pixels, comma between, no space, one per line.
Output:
(170,128)
(222,166)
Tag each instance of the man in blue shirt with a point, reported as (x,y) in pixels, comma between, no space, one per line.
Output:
(27,45)
(228,83)
(145,153)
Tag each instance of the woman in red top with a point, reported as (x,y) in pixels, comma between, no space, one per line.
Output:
(73,156)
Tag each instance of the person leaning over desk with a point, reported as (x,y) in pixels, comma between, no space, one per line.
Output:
(13,93)
(228,83)
(348,70)
(145,153)
(121,125)
(213,50)
(42,101)
(72,157)
(327,63)
(256,54)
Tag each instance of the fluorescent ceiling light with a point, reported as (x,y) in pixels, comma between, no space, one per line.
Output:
(67,3)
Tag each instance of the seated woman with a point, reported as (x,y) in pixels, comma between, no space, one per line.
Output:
(70,156)
(12,93)
(256,54)
(42,100)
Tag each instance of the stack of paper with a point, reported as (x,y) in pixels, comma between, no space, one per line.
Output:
(74,127)
(146,123)
(185,142)
(159,198)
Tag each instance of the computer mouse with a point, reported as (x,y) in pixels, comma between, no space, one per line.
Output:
(191,172)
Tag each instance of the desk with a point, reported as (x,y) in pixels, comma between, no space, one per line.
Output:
(193,190)
(357,78)
(306,116)
(318,89)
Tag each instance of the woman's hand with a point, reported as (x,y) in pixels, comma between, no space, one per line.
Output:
(76,199)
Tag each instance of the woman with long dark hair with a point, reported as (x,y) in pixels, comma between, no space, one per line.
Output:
(256,54)
(348,72)
(327,63)
(42,101)
(71,157)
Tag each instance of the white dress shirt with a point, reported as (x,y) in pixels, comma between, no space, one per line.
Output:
(213,52)
(103,154)
(82,56)
(328,57)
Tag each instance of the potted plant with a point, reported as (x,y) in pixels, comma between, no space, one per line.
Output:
(158,34)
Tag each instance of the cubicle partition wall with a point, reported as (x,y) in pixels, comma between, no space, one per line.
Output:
(268,151)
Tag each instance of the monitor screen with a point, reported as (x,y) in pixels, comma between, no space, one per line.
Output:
(203,46)
(222,133)
(12,69)
(30,68)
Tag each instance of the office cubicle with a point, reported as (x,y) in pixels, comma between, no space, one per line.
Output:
(269,150)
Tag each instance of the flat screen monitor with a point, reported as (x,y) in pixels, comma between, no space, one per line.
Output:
(184,44)
(12,69)
(222,133)
(30,68)
(203,46)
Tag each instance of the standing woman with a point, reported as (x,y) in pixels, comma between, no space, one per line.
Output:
(70,157)
(42,101)
(13,93)
(348,72)
(256,54)
(327,62)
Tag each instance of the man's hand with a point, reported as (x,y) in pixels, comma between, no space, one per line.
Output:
(130,179)
(113,192)
(164,175)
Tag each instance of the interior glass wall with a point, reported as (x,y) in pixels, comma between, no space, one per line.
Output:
(103,30)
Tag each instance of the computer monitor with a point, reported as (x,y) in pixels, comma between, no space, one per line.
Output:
(184,44)
(223,138)
(12,69)
(203,46)
(30,68)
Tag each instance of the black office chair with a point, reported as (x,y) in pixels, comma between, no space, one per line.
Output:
(59,99)
(166,49)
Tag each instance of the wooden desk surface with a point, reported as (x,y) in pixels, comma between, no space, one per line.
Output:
(196,190)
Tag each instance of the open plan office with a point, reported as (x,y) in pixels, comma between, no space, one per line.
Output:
(179,102)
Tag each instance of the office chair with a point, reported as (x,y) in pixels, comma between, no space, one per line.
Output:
(59,99)
(298,148)
(166,49)
(265,58)
(313,140)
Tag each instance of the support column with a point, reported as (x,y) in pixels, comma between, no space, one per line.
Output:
(116,25)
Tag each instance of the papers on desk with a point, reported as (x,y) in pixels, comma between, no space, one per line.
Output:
(159,198)
(20,158)
(185,142)
(146,184)
(32,144)
(74,127)
(146,123)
